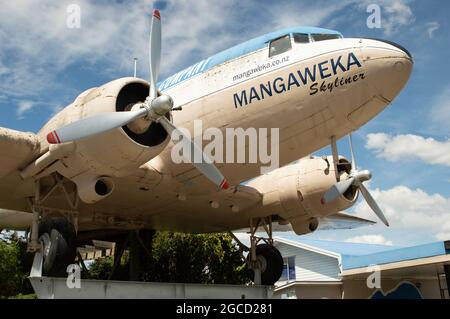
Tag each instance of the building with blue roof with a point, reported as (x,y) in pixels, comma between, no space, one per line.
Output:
(329,269)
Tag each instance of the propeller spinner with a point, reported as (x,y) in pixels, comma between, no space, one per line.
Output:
(153,109)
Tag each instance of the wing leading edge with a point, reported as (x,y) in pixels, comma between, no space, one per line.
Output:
(17,149)
(15,220)
(336,221)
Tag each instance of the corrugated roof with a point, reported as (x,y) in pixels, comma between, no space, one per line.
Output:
(396,255)
(341,248)
(356,255)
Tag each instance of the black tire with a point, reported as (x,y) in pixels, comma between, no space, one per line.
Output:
(61,252)
(272,261)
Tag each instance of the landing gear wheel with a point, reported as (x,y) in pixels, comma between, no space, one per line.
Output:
(271,264)
(59,239)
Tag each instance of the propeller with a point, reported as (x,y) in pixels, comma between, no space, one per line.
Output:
(154,109)
(356,179)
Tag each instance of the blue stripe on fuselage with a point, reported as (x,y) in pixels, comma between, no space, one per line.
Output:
(235,52)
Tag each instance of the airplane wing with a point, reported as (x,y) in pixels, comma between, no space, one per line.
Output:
(210,211)
(343,221)
(17,149)
(14,220)
(336,221)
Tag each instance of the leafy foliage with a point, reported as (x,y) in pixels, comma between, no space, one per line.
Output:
(100,269)
(15,264)
(205,258)
(177,257)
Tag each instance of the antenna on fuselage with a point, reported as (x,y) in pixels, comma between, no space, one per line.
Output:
(135,66)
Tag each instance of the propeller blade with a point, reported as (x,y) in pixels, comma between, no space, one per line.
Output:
(372,204)
(350,141)
(205,167)
(337,190)
(154,52)
(93,125)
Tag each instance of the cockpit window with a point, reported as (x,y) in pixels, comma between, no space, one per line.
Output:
(323,37)
(280,45)
(301,38)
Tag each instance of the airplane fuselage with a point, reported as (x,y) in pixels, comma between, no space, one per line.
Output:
(311,92)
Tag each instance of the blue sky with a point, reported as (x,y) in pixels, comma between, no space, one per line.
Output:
(44,65)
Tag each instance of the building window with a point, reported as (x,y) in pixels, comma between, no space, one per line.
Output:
(323,37)
(280,45)
(301,38)
(288,273)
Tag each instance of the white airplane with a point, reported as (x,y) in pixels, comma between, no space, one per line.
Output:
(104,162)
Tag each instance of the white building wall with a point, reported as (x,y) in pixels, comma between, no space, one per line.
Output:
(311,266)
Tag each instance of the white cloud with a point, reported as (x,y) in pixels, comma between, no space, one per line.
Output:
(407,147)
(395,14)
(24,106)
(412,209)
(369,239)
(444,233)
(36,51)
(193,30)
(432,27)
(440,112)
(313,14)
(3,69)
(37,47)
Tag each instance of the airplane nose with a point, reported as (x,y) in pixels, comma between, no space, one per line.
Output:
(389,66)
(394,44)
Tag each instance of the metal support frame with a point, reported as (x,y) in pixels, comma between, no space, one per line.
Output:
(443,277)
(335,154)
(81,262)
(255,224)
(118,256)
(241,246)
(40,211)
(33,243)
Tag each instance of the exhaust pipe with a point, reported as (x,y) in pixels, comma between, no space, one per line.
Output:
(91,189)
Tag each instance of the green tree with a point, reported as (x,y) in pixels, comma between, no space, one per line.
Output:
(100,269)
(205,258)
(228,267)
(10,277)
(178,257)
(15,264)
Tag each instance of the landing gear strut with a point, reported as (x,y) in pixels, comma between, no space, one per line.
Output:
(53,232)
(264,260)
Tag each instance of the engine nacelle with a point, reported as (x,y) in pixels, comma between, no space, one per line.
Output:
(91,189)
(117,152)
(303,226)
(294,192)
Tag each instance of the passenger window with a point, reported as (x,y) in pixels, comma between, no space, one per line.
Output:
(301,38)
(280,45)
(323,37)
